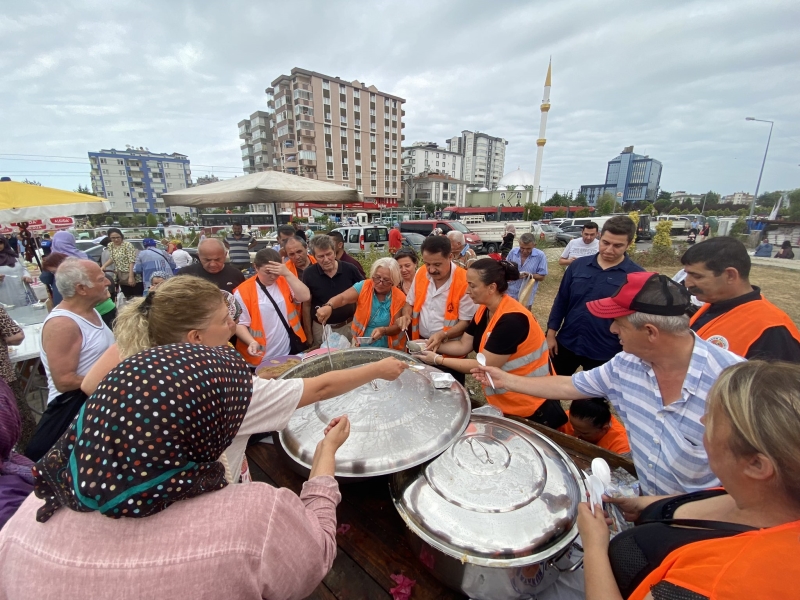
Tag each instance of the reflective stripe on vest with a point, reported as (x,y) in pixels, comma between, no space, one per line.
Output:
(740,327)
(531,359)
(249,293)
(364,313)
(458,287)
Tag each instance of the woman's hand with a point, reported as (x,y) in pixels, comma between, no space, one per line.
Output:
(498,376)
(631,508)
(427,357)
(131,280)
(593,527)
(254,349)
(378,333)
(336,433)
(436,340)
(324,313)
(27,280)
(275,268)
(389,368)
(403,323)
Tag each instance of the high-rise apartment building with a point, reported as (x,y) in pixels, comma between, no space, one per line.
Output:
(484,157)
(629,177)
(339,131)
(428,156)
(256,136)
(134,180)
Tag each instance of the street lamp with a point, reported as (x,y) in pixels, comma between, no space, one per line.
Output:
(763,162)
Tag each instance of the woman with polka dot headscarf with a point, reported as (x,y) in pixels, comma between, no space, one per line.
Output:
(190,309)
(146,446)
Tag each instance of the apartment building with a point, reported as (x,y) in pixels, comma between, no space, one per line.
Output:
(438,188)
(133,180)
(256,136)
(484,157)
(743,198)
(428,156)
(344,132)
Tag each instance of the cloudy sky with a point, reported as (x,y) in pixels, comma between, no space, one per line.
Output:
(675,80)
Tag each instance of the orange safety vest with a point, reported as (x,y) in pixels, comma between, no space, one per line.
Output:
(364,312)
(249,293)
(291,266)
(458,287)
(755,564)
(615,439)
(532,359)
(740,327)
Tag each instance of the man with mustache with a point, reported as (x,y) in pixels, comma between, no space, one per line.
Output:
(736,316)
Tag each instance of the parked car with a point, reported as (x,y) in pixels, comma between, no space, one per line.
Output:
(425,228)
(565,237)
(550,232)
(413,240)
(363,238)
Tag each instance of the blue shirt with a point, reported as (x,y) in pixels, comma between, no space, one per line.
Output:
(666,441)
(578,330)
(536,263)
(380,315)
(764,249)
(151,260)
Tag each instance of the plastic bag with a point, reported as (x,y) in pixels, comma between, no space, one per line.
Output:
(120,301)
(525,292)
(336,341)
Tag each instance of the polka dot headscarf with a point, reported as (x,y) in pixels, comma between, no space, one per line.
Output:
(150,435)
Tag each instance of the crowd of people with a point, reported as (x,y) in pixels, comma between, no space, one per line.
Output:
(148,424)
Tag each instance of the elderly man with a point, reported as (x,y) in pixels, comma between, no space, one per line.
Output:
(460,252)
(586,245)
(736,316)
(326,279)
(438,307)
(212,267)
(299,259)
(532,264)
(74,336)
(239,245)
(395,238)
(576,337)
(341,255)
(658,384)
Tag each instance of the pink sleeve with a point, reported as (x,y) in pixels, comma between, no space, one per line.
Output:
(301,542)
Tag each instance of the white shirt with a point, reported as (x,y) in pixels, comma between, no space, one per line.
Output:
(182,258)
(431,317)
(272,405)
(576,248)
(274,331)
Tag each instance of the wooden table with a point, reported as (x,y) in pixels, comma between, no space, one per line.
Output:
(375,546)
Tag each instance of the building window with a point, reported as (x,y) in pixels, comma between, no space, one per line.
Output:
(102,161)
(327,129)
(326,85)
(109,194)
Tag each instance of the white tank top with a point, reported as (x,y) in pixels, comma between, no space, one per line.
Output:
(96,340)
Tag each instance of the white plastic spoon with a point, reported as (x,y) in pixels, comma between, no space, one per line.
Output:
(482,362)
(601,469)
(595,491)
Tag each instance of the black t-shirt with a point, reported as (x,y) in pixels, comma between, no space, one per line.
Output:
(508,241)
(323,288)
(228,279)
(509,332)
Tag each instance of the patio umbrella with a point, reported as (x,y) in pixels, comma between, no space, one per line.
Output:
(264,187)
(23,202)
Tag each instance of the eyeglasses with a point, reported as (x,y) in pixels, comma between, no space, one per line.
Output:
(380,280)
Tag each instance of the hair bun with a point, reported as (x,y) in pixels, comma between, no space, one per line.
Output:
(511,270)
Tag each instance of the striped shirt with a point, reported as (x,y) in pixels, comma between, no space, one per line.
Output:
(238,248)
(666,441)
(536,263)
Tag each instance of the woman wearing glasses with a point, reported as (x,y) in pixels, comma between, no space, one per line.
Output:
(378,303)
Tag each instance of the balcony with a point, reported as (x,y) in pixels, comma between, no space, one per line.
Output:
(305,162)
(310,147)
(306,133)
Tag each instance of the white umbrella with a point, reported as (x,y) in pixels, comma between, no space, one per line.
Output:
(264,187)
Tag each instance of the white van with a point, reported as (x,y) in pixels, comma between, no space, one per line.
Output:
(359,238)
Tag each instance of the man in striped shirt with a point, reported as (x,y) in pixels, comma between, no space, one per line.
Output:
(658,383)
(239,245)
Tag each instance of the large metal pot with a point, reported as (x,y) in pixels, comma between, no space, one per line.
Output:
(495,515)
(394,425)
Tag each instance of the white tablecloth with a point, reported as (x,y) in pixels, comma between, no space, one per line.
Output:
(30,347)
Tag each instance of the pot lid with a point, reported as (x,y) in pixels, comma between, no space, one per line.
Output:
(500,491)
(394,425)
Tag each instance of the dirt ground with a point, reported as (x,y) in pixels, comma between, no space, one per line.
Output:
(779,286)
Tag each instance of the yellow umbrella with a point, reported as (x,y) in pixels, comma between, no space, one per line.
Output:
(20,202)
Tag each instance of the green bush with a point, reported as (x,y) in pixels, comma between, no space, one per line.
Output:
(738,228)
(662,237)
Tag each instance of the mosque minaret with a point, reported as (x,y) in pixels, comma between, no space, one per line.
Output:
(542,141)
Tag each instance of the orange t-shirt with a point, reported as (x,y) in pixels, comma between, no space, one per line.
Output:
(615,440)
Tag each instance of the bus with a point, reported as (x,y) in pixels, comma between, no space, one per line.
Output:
(489,213)
(252,219)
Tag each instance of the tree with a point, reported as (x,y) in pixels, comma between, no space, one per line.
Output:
(768,199)
(179,220)
(31,182)
(605,204)
(532,212)
(580,200)
(662,195)
(583,212)
(646,208)
(430,208)
(84,190)
(662,237)
(711,198)
(109,220)
(417,203)
(675,211)
(662,205)
(151,220)
(125,222)
(140,220)
(794,205)
(559,213)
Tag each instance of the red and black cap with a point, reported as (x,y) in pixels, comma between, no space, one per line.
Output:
(644,292)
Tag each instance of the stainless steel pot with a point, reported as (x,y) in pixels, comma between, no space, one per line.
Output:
(495,515)
(394,425)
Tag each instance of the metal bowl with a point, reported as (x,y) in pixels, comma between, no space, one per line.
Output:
(394,425)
